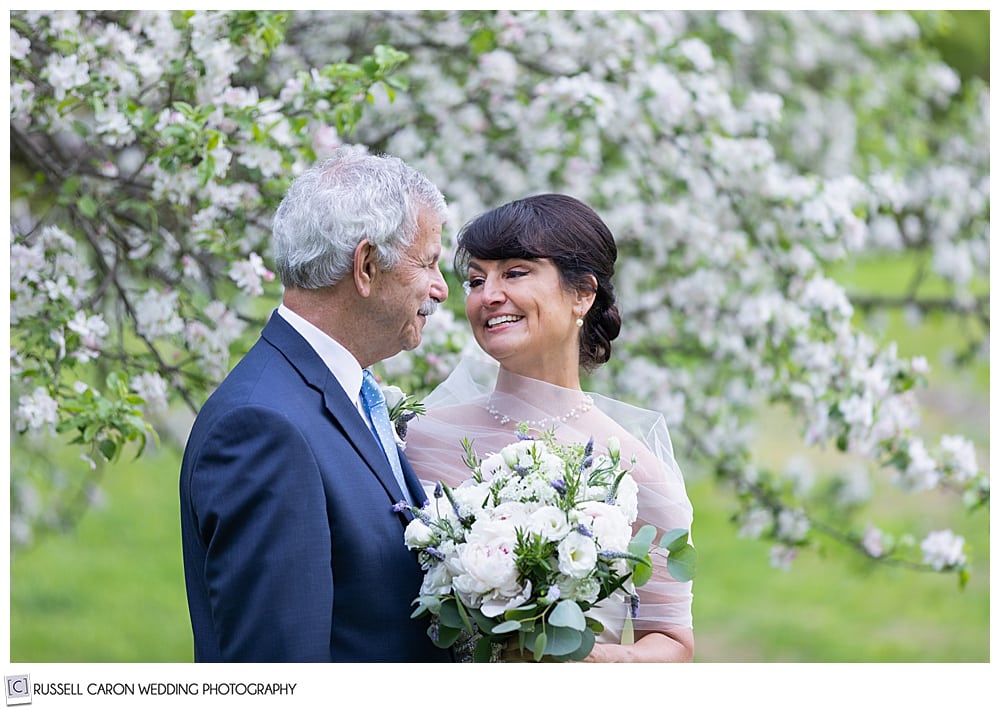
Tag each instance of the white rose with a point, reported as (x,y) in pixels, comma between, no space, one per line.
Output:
(417,534)
(550,523)
(577,555)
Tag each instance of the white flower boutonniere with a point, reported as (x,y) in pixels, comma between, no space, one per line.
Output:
(402,408)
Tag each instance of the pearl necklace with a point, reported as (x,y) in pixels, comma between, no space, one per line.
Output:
(584,406)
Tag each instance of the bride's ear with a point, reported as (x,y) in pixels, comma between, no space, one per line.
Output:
(365,267)
(585,295)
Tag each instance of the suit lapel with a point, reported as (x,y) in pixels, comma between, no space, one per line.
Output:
(315,372)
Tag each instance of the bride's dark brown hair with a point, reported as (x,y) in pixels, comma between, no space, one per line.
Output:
(573,236)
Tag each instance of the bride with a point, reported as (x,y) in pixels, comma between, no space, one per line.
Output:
(541,304)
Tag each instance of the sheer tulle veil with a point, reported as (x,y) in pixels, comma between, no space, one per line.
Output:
(484,403)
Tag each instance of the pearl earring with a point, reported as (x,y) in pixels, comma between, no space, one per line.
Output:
(579,322)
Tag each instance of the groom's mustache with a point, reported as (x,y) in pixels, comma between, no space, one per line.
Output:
(428,308)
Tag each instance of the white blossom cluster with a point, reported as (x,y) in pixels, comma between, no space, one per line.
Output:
(735,155)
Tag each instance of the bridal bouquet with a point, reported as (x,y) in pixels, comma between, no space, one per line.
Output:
(539,534)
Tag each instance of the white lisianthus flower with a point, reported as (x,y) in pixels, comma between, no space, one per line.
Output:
(577,555)
(550,523)
(607,522)
(417,534)
(495,465)
(614,447)
(628,498)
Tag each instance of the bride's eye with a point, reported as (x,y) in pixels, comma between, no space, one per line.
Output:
(515,273)
(472,282)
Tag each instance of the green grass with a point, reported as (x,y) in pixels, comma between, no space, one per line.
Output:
(113,590)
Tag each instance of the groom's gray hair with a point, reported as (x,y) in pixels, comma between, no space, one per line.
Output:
(335,205)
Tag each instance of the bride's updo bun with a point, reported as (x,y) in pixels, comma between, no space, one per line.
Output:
(566,231)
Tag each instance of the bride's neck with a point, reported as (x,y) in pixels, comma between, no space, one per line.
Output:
(513,383)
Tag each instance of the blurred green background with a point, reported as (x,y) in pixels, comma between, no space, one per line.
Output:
(112,590)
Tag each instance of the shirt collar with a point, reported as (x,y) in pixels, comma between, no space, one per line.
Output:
(336,357)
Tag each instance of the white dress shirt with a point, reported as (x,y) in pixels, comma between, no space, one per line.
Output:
(341,363)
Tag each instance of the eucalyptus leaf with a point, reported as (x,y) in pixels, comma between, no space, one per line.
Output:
(539,646)
(483,650)
(681,564)
(642,573)
(506,627)
(561,640)
(675,539)
(450,616)
(587,641)
(642,541)
(446,636)
(567,613)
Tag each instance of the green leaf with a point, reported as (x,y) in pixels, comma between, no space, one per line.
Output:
(109,449)
(446,636)
(88,206)
(483,650)
(587,641)
(450,616)
(539,646)
(521,612)
(561,641)
(641,573)
(485,623)
(681,564)
(675,539)
(506,627)
(642,541)
(567,613)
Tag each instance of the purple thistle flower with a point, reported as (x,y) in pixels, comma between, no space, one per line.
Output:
(560,486)
(435,553)
(438,490)
(633,601)
(585,464)
(524,437)
(400,506)
(584,530)
(588,450)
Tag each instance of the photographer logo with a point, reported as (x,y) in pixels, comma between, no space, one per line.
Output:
(18,690)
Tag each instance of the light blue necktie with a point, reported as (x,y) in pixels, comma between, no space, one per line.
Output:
(374,401)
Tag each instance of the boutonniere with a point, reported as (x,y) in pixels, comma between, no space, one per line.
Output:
(402,408)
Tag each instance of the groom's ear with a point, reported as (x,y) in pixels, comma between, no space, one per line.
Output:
(365,267)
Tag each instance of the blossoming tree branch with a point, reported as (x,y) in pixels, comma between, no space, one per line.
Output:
(737,157)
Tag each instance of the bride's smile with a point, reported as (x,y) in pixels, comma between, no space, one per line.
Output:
(524,316)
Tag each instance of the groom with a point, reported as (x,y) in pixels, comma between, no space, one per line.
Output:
(292,551)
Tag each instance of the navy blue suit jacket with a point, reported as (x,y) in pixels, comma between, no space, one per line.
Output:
(292,551)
